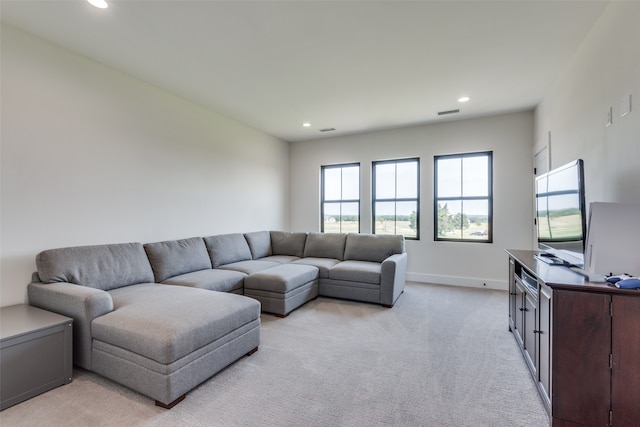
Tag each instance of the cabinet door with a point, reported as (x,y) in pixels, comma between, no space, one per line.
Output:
(519,320)
(544,339)
(530,335)
(625,381)
(581,342)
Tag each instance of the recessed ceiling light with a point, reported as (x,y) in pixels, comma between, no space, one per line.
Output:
(101,4)
(463,99)
(306,124)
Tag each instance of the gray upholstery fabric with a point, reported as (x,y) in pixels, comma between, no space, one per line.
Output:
(323,264)
(165,323)
(128,368)
(227,248)
(281,279)
(174,257)
(249,267)
(325,245)
(287,243)
(212,279)
(259,243)
(393,277)
(102,267)
(372,247)
(81,303)
(357,271)
(280,259)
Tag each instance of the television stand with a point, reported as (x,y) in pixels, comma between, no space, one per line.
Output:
(580,341)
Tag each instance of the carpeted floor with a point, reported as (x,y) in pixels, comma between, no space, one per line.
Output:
(443,356)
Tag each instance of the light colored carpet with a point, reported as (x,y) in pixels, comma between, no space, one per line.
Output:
(443,356)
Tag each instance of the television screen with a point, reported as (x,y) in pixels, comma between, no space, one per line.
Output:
(560,214)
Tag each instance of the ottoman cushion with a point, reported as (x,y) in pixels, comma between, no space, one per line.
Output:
(281,279)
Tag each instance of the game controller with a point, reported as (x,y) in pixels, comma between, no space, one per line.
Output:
(619,277)
(624,281)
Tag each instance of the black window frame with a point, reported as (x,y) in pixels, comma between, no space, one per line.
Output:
(489,197)
(323,168)
(395,200)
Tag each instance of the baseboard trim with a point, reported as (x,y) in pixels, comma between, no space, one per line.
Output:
(468,282)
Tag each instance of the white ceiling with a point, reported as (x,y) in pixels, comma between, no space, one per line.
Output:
(351,65)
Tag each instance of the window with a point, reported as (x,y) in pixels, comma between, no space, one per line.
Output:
(396,197)
(463,197)
(340,206)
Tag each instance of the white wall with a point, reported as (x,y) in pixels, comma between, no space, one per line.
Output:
(509,136)
(604,69)
(92,156)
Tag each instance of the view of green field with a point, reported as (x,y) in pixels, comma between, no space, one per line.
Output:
(564,226)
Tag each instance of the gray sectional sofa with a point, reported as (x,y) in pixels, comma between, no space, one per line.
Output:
(163,317)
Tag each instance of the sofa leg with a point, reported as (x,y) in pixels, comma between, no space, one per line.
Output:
(252,351)
(387,305)
(172,404)
(281,316)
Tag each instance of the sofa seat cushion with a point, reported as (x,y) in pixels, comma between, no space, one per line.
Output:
(249,267)
(280,259)
(165,323)
(357,271)
(212,279)
(323,264)
(281,279)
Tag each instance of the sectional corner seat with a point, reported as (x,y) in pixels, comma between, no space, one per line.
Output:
(163,317)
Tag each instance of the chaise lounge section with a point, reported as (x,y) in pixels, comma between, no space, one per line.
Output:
(160,340)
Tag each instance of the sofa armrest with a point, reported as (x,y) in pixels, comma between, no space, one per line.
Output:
(81,303)
(393,272)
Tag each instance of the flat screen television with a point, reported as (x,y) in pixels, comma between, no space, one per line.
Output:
(561,215)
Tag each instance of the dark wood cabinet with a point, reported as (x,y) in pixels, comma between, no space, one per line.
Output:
(584,348)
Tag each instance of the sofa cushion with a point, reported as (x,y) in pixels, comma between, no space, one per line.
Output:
(325,245)
(372,247)
(101,267)
(165,323)
(227,248)
(282,279)
(250,266)
(259,243)
(323,264)
(357,271)
(175,257)
(212,279)
(288,243)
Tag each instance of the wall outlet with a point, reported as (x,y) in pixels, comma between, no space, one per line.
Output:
(625,105)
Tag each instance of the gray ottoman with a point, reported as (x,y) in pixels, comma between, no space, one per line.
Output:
(283,288)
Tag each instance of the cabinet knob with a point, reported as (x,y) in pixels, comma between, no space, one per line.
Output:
(535,331)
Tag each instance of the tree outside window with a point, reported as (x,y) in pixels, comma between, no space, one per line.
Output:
(463,197)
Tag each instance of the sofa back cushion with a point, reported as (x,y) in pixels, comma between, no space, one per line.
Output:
(227,248)
(287,243)
(325,245)
(259,243)
(102,267)
(372,247)
(174,257)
